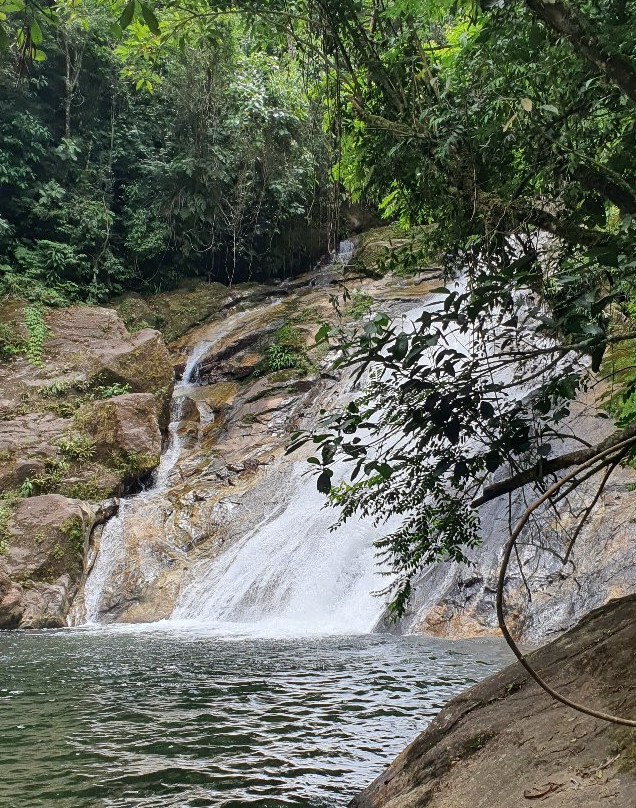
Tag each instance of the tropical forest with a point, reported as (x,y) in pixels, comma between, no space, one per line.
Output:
(317,403)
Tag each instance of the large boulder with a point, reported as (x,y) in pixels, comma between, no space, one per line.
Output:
(88,359)
(506,743)
(43,540)
(25,442)
(105,351)
(125,432)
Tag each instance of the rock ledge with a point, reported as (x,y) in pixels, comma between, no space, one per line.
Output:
(506,743)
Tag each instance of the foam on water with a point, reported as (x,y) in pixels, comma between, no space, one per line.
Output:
(292,575)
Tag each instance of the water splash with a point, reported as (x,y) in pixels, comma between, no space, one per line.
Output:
(292,575)
(111,547)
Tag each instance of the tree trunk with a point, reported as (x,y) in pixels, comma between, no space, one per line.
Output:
(570,24)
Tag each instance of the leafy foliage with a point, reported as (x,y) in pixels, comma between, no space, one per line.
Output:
(126,162)
(36,334)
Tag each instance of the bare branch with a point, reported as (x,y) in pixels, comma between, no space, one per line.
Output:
(625,445)
(545,467)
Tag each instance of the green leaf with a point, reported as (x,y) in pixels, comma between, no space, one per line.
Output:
(149,18)
(401,347)
(323,482)
(35,33)
(4,39)
(385,470)
(127,14)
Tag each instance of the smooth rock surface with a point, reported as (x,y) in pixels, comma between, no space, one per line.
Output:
(506,743)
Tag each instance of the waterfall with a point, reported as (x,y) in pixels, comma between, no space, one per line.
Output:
(170,457)
(111,547)
(345,251)
(292,574)
(111,550)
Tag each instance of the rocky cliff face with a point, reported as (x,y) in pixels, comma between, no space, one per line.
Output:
(91,420)
(78,425)
(506,742)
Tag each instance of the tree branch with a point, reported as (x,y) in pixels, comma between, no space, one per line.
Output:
(501,583)
(571,25)
(546,467)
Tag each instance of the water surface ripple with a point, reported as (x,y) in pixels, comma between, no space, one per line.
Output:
(164,719)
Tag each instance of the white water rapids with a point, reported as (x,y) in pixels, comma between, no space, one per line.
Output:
(290,575)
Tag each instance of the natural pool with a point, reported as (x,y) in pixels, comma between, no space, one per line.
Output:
(176,718)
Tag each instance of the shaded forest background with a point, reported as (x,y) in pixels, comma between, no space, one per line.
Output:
(129,164)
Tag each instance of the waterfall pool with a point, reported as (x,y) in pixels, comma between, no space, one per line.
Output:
(174,717)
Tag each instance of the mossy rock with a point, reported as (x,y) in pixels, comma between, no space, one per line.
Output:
(394,249)
(174,312)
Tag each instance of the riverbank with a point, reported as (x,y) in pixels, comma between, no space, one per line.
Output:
(506,743)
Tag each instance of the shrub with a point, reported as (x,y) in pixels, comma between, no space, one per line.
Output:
(11,343)
(36,334)
(77,447)
(280,357)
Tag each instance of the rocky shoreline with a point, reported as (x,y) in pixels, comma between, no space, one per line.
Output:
(507,743)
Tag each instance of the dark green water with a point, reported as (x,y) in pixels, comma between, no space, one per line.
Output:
(168,719)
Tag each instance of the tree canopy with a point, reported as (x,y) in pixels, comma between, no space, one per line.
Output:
(188,133)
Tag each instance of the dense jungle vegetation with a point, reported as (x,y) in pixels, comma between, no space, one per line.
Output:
(130,163)
(142,143)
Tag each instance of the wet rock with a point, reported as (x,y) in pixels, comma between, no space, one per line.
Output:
(507,743)
(548,594)
(180,310)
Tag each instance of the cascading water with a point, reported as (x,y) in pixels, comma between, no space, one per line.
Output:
(171,456)
(292,574)
(111,550)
